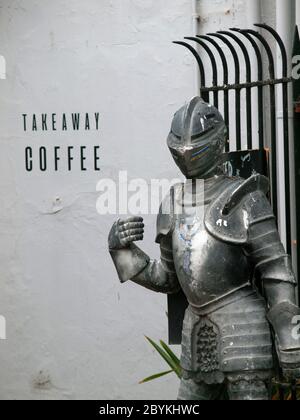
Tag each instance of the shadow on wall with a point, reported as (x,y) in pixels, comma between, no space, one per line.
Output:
(2,328)
(2,68)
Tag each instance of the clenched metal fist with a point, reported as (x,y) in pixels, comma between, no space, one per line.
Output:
(124,232)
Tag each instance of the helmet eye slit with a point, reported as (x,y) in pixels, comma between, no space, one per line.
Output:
(198,136)
(199,152)
(210,116)
(175,135)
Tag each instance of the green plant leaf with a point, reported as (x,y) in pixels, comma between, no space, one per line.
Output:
(170,353)
(166,358)
(157,376)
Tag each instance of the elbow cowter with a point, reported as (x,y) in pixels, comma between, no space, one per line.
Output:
(278,269)
(133,264)
(155,277)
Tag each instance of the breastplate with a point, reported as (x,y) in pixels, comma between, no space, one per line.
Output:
(207,268)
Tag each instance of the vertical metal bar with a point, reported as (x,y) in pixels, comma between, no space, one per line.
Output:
(214,66)
(225,82)
(296,94)
(205,95)
(248,90)
(260,89)
(238,90)
(285,131)
(273,118)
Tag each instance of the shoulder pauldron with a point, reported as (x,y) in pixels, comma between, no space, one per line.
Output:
(241,205)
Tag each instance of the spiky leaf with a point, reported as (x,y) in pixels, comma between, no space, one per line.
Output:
(157,376)
(174,366)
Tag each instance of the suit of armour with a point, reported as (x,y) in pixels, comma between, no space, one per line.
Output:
(221,247)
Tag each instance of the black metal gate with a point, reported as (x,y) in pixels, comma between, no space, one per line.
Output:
(233,39)
(212,44)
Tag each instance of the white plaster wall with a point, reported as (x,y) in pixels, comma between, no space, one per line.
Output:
(72,330)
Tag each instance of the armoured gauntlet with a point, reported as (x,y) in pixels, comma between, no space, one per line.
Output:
(133,264)
(127,257)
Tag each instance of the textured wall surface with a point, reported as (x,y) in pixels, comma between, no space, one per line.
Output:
(72,330)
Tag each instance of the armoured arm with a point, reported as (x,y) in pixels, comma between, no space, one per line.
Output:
(133,264)
(273,267)
(160,276)
(243,216)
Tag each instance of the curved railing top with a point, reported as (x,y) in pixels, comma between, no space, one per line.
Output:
(230,38)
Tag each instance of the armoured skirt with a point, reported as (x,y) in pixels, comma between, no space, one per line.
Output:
(231,339)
